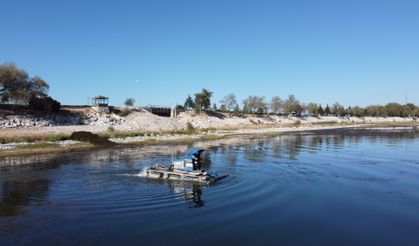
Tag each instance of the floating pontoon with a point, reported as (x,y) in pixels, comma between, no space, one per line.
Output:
(188,169)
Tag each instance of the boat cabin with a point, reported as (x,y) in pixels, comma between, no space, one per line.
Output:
(192,162)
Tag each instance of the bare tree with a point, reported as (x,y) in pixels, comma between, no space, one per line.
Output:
(255,105)
(229,102)
(277,105)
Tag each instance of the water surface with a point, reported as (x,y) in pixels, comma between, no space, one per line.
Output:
(356,187)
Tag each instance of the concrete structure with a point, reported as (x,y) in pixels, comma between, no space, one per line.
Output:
(160,111)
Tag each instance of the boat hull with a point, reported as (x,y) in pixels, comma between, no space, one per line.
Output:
(194,176)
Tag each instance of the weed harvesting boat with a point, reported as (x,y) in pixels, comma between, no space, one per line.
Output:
(188,169)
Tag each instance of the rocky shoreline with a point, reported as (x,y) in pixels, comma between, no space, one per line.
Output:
(10,119)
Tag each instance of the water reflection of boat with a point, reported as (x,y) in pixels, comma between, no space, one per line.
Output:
(191,194)
(188,169)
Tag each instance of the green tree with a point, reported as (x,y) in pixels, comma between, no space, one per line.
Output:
(411,109)
(327,110)
(394,109)
(237,110)
(417,112)
(189,103)
(375,110)
(261,106)
(292,106)
(17,86)
(129,101)
(313,108)
(255,105)
(320,110)
(202,100)
(338,109)
(357,111)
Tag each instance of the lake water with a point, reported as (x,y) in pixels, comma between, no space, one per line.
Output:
(353,187)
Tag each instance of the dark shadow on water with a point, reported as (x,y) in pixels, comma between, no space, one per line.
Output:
(16,195)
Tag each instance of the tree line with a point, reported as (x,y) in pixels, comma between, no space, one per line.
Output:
(258,105)
(17,87)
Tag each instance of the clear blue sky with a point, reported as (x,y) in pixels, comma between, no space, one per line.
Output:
(355,52)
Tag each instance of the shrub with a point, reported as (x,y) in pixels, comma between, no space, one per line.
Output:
(189,128)
(44,104)
(85,136)
(39,146)
(297,123)
(124,112)
(111,129)
(253,122)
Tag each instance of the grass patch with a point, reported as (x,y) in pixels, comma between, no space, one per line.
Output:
(326,123)
(40,146)
(190,129)
(152,141)
(121,134)
(210,129)
(43,148)
(34,138)
(55,138)
(210,137)
(272,134)
(175,132)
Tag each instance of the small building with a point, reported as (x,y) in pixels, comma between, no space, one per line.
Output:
(100,101)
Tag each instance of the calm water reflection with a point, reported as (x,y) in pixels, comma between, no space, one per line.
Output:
(350,187)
